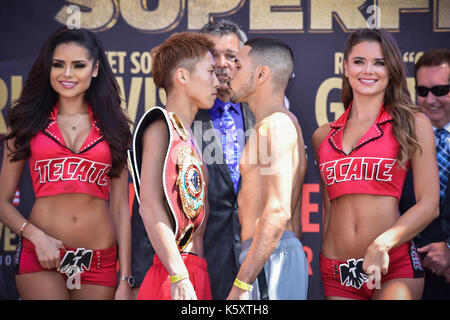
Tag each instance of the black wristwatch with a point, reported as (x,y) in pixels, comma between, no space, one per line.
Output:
(129,279)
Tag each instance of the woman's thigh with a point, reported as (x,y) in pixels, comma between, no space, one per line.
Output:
(400,289)
(92,292)
(43,285)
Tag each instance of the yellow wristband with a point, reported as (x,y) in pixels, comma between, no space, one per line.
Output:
(242,285)
(178,277)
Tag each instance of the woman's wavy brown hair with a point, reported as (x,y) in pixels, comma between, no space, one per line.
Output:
(29,114)
(396,98)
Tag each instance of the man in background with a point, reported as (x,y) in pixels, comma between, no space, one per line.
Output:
(221,132)
(432,75)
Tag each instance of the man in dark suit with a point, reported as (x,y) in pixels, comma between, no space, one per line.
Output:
(432,75)
(222,243)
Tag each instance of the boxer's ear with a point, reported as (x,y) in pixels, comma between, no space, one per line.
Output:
(263,73)
(181,75)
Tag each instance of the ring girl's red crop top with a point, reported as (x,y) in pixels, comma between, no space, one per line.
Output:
(370,168)
(56,169)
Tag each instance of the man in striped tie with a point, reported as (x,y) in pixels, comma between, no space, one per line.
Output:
(223,137)
(432,74)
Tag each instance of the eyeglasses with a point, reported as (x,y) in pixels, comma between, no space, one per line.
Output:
(438,91)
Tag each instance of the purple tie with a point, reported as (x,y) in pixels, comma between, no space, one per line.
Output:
(229,138)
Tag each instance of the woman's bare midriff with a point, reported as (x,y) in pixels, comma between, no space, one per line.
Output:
(354,222)
(78,220)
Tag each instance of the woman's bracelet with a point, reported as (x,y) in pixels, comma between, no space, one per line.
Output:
(23,228)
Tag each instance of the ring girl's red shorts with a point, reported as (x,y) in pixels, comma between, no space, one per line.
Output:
(347,279)
(102,269)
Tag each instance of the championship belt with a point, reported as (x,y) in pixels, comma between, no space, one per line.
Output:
(183,176)
(190,182)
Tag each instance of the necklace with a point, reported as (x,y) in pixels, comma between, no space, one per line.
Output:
(74,126)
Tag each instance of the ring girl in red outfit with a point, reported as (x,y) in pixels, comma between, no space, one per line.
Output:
(363,157)
(169,173)
(69,126)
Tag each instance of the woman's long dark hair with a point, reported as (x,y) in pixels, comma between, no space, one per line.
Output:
(29,114)
(396,97)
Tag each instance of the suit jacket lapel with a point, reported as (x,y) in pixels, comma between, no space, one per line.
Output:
(249,123)
(249,118)
(207,124)
(447,194)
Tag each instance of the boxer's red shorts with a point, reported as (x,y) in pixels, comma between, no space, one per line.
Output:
(156,284)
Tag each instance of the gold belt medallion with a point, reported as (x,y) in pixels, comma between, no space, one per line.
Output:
(191,183)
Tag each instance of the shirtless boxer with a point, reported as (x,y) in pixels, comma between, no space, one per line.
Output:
(273,167)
